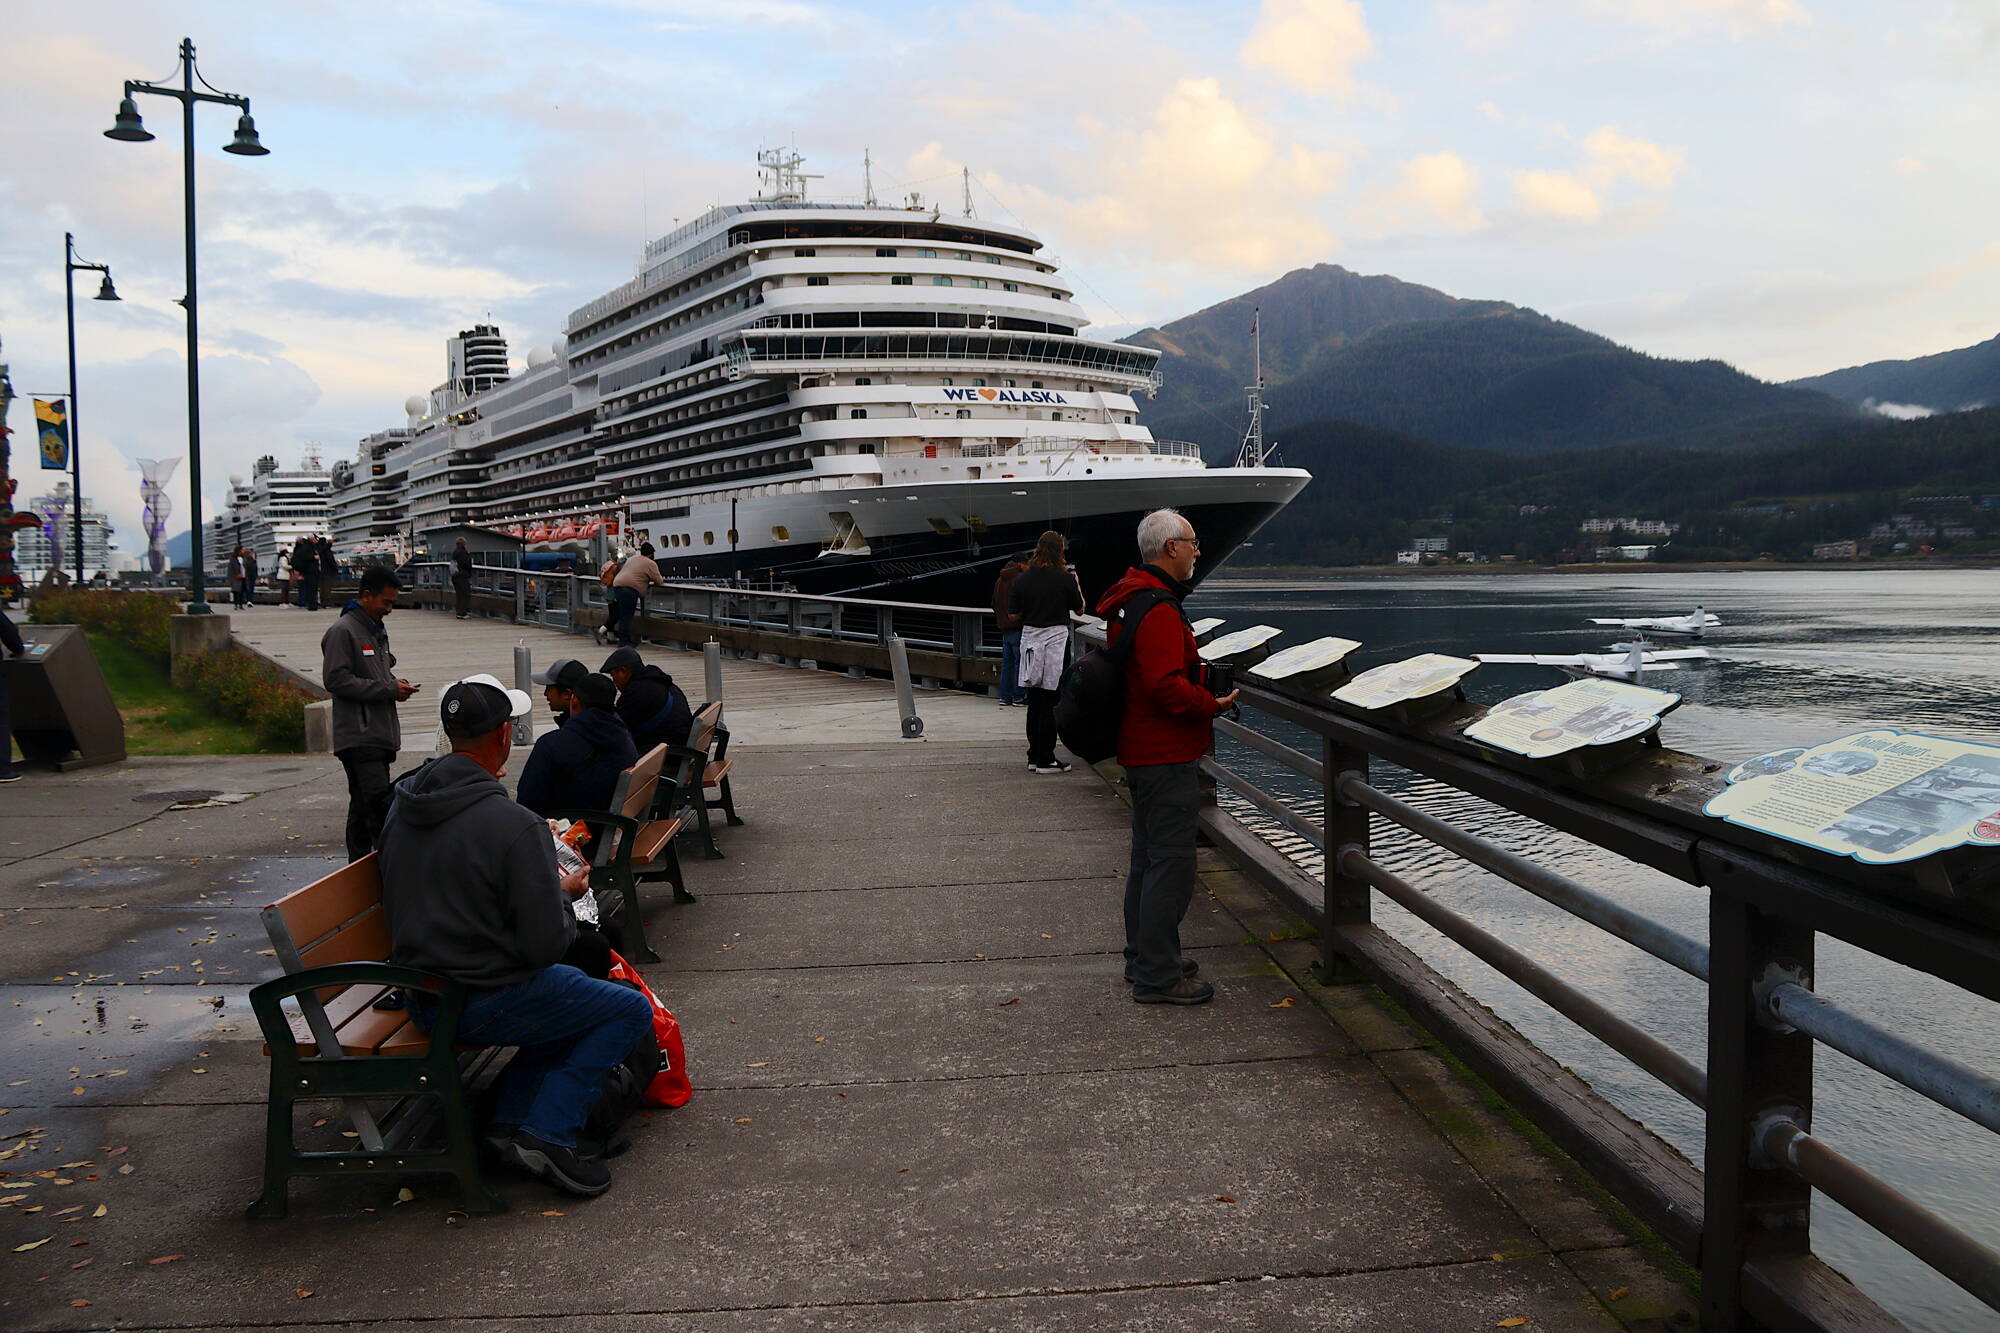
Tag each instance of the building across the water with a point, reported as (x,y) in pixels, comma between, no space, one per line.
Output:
(875,398)
(37,549)
(270,511)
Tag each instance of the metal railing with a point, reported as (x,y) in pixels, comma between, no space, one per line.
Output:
(953,645)
(1745,1218)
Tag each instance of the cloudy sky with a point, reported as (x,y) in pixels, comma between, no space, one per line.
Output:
(1790,185)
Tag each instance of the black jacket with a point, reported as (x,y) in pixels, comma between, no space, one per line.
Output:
(655,710)
(10,639)
(1044,595)
(461,563)
(576,766)
(470,888)
(305,559)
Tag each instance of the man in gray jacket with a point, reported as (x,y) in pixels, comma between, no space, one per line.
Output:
(471,891)
(359,672)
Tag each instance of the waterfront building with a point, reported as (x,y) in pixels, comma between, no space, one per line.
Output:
(35,553)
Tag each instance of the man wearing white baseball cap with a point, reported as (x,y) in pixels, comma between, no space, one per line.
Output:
(471,892)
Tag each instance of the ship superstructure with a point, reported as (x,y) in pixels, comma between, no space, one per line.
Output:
(839,396)
(271,510)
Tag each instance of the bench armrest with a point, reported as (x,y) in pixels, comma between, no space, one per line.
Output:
(600,820)
(265,999)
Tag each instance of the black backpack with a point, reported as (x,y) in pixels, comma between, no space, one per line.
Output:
(1090,703)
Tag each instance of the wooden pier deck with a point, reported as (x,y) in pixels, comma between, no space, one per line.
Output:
(924,1099)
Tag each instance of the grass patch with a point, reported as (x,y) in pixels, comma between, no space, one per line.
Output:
(160,719)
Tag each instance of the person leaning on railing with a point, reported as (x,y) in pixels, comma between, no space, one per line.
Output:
(636,573)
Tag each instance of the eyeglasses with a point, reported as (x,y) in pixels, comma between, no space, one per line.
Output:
(1191,541)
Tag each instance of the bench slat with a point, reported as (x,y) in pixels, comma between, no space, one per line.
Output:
(364,941)
(328,903)
(653,839)
(717,770)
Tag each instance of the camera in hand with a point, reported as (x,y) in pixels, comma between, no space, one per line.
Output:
(1221,678)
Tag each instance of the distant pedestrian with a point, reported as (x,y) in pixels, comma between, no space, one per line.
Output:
(236,577)
(328,567)
(1168,725)
(1009,625)
(359,672)
(249,577)
(281,575)
(10,646)
(461,577)
(305,566)
(1043,596)
(636,573)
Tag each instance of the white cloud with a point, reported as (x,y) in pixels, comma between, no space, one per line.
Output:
(1427,190)
(1613,155)
(1740,18)
(1907,166)
(1557,194)
(1898,411)
(1313,45)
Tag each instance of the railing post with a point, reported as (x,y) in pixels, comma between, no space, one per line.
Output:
(906,697)
(524,681)
(1345,900)
(711,668)
(520,598)
(1752,1207)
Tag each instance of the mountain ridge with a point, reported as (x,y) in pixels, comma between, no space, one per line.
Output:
(1959,380)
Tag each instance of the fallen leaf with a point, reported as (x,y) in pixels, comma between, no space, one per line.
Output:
(166,1258)
(125,1170)
(1514,1322)
(817,1040)
(1047,936)
(1286,1003)
(405,1195)
(102,1209)
(757,1064)
(742,1120)
(1621,1293)
(82,1263)
(33,1245)
(1004,1003)
(1225,1198)
(553,1212)
(78,1303)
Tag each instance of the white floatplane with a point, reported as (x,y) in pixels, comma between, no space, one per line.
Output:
(1693,624)
(1625,662)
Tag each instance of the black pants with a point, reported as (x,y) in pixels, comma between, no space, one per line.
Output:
(624,610)
(1159,884)
(461,585)
(1042,728)
(6,730)
(309,592)
(367,797)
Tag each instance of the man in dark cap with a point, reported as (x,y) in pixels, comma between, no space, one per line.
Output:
(576,766)
(654,709)
(470,891)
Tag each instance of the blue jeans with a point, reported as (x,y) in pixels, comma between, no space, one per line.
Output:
(1010,667)
(570,1029)
(624,606)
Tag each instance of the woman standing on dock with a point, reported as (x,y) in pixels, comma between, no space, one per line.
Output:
(1043,597)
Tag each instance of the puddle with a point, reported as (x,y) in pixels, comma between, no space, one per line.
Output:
(110,1041)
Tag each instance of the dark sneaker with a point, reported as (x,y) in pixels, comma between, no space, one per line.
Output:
(1189,968)
(1057,767)
(564,1168)
(10,777)
(496,1140)
(1185,991)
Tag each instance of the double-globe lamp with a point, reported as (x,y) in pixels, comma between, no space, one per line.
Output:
(130,129)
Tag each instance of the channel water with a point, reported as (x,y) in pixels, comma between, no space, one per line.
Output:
(1801,656)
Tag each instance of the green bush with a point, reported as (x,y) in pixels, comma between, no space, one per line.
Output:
(139,620)
(244,687)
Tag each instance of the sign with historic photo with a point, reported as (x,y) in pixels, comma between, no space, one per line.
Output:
(1877,796)
(1400,682)
(1546,723)
(1301,658)
(1237,642)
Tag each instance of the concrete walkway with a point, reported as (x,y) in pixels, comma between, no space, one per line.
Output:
(924,1100)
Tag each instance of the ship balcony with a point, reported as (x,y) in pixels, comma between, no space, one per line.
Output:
(768,351)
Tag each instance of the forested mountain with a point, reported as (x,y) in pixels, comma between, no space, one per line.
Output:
(1374,491)
(1947,382)
(1480,374)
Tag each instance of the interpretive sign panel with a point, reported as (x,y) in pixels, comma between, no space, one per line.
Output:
(1400,682)
(1237,642)
(1301,658)
(1546,723)
(1878,796)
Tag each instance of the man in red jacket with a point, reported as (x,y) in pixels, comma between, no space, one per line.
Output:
(1167,728)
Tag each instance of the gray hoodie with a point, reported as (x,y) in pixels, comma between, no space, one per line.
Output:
(469,880)
(359,672)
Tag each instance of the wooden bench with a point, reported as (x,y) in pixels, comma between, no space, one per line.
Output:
(646,817)
(703,765)
(332,939)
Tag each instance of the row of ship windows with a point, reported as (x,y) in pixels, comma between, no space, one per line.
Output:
(664,297)
(906,280)
(891,252)
(692,315)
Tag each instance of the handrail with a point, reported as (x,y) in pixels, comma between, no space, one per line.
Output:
(1768,900)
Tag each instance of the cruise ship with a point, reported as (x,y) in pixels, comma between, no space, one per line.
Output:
(270,511)
(859,398)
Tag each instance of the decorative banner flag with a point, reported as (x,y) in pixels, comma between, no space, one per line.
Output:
(52,423)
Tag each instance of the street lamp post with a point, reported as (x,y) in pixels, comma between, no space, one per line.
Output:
(106,292)
(130,129)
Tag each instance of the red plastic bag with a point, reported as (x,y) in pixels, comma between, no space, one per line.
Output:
(670,1087)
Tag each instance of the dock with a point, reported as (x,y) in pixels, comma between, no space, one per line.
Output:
(924,1099)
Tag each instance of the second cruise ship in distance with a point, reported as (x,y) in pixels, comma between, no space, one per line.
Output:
(882,401)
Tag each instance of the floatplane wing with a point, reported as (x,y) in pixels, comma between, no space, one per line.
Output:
(1693,623)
